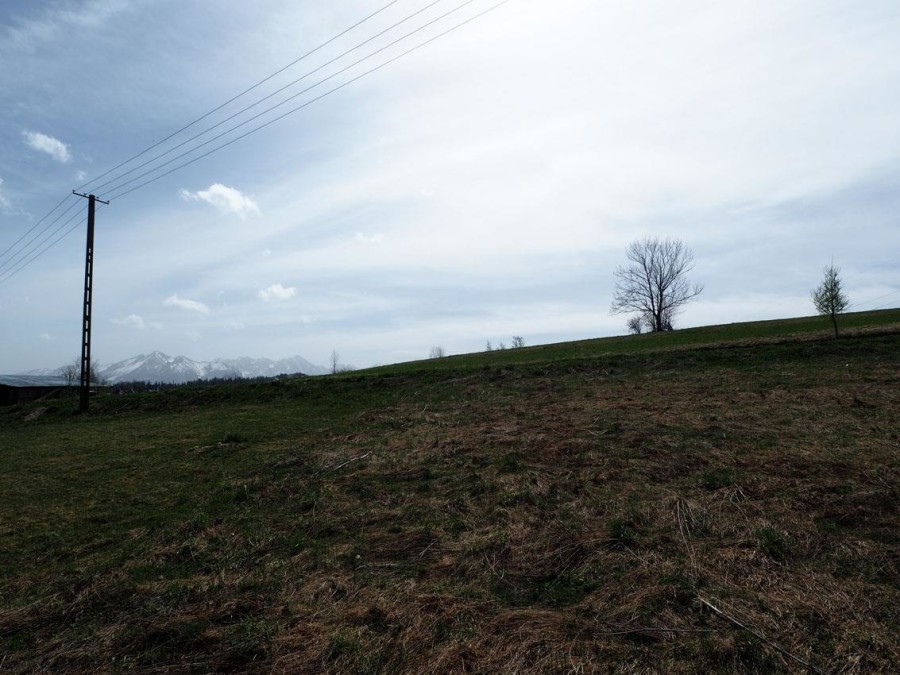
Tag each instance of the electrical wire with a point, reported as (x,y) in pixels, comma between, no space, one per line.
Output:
(275,93)
(119,187)
(60,234)
(243,93)
(25,249)
(12,272)
(856,305)
(32,229)
(880,297)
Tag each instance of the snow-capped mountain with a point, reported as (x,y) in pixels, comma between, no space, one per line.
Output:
(159,367)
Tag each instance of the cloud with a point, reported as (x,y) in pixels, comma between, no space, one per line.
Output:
(56,21)
(48,145)
(135,321)
(277,292)
(5,204)
(369,239)
(46,337)
(184,303)
(226,199)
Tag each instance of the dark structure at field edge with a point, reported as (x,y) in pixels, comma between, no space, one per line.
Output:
(16,389)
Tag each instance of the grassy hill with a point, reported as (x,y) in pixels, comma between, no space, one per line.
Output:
(718,499)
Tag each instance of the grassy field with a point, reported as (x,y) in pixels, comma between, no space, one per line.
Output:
(719,499)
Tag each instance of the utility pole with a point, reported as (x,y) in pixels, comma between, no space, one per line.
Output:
(85,391)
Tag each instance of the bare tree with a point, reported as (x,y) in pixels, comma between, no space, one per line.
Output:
(829,298)
(334,361)
(635,325)
(518,342)
(71,373)
(654,283)
(437,352)
(489,347)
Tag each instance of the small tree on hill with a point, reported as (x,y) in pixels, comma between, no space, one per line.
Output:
(829,298)
(635,325)
(654,284)
(335,361)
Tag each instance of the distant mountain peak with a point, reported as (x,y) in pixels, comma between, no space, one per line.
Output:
(160,367)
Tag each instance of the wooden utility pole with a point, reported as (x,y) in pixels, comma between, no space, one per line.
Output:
(85,390)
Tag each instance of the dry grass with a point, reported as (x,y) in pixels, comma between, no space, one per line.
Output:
(729,510)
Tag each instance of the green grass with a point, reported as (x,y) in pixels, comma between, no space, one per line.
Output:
(541,509)
(814,327)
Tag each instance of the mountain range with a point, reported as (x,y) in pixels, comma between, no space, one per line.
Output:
(159,367)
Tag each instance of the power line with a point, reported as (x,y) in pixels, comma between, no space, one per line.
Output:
(246,91)
(22,264)
(117,188)
(869,302)
(75,217)
(273,94)
(33,228)
(24,249)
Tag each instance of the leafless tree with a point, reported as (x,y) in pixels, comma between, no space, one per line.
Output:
(518,342)
(654,283)
(829,298)
(635,325)
(71,373)
(489,347)
(334,361)
(437,352)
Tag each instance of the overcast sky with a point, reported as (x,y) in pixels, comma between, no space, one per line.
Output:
(481,187)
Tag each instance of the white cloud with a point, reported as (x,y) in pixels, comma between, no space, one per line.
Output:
(57,20)
(184,303)
(48,145)
(135,321)
(224,198)
(277,292)
(369,239)
(5,204)
(46,337)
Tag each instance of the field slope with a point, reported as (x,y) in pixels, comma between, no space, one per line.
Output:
(659,503)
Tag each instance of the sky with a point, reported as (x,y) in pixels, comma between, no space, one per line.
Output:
(482,186)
